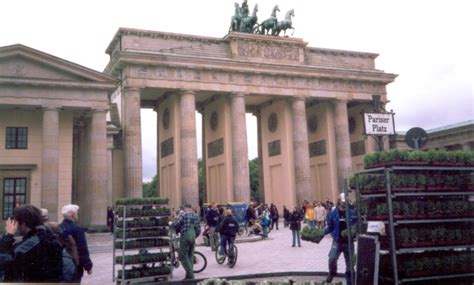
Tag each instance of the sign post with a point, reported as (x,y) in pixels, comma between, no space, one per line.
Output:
(379,123)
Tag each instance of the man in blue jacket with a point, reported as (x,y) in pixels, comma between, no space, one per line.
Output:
(212,219)
(336,223)
(70,227)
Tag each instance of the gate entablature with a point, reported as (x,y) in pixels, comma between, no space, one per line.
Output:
(259,64)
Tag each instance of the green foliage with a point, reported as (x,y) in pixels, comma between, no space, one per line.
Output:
(254,178)
(149,188)
(142,201)
(312,234)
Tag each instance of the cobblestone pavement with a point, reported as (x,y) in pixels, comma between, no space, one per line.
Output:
(262,256)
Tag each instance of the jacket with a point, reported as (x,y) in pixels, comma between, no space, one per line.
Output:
(229,226)
(37,258)
(212,217)
(71,228)
(295,221)
(333,219)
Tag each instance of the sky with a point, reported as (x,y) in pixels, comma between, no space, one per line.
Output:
(429,44)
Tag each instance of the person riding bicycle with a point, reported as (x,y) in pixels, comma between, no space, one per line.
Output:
(228,229)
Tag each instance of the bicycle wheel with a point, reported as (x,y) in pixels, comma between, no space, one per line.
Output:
(220,259)
(200,262)
(233,257)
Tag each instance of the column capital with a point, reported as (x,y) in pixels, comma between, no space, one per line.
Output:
(238,94)
(131,88)
(50,108)
(100,110)
(182,92)
(340,101)
(297,98)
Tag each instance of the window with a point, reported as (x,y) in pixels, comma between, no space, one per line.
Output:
(16,138)
(14,194)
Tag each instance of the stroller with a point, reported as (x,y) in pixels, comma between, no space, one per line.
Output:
(255,227)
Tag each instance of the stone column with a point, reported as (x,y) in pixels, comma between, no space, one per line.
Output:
(132,140)
(188,149)
(261,181)
(110,183)
(343,143)
(301,152)
(158,154)
(240,162)
(97,208)
(50,162)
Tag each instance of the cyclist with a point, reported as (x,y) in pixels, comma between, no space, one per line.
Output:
(228,229)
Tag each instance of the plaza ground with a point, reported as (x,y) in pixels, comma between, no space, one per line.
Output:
(255,256)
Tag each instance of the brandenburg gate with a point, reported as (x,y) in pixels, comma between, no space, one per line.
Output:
(308,103)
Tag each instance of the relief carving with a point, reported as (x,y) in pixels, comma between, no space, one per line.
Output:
(268,52)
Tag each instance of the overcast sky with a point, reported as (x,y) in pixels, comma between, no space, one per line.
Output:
(429,44)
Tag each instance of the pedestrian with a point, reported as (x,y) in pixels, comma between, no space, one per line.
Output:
(38,257)
(70,227)
(44,215)
(286,216)
(309,215)
(265,221)
(212,220)
(320,213)
(336,223)
(228,229)
(110,218)
(188,227)
(295,225)
(70,255)
(274,216)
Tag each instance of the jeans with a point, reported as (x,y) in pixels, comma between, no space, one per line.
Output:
(212,237)
(265,231)
(296,236)
(226,240)
(336,250)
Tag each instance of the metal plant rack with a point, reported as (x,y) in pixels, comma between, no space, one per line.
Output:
(392,222)
(122,220)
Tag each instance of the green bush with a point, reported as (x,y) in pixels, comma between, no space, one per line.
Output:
(312,234)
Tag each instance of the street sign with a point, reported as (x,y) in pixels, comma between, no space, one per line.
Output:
(379,124)
(416,138)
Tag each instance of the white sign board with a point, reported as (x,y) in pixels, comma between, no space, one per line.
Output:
(379,124)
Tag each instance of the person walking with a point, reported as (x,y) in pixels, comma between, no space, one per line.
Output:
(110,218)
(309,215)
(265,221)
(274,216)
(228,229)
(320,213)
(286,216)
(38,257)
(70,227)
(212,220)
(295,225)
(336,223)
(188,227)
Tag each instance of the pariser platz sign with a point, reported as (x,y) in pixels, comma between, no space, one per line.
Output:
(379,124)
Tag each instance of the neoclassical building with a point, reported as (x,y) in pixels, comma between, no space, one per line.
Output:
(308,103)
(53,134)
(72,134)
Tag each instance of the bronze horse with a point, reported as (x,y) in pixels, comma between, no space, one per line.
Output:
(285,24)
(247,24)
(269,24)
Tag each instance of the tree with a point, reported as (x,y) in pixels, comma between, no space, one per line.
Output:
(149,188)
(254,178)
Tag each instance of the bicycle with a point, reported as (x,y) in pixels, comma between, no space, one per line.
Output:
(231,255)
(200,261)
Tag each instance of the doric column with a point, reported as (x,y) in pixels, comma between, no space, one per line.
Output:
(132,140)
(240,162)
(343,148)
(158,155)
(188,148)
(301,151)
(50,161)
(261,181)
(110,177)
(98,163)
